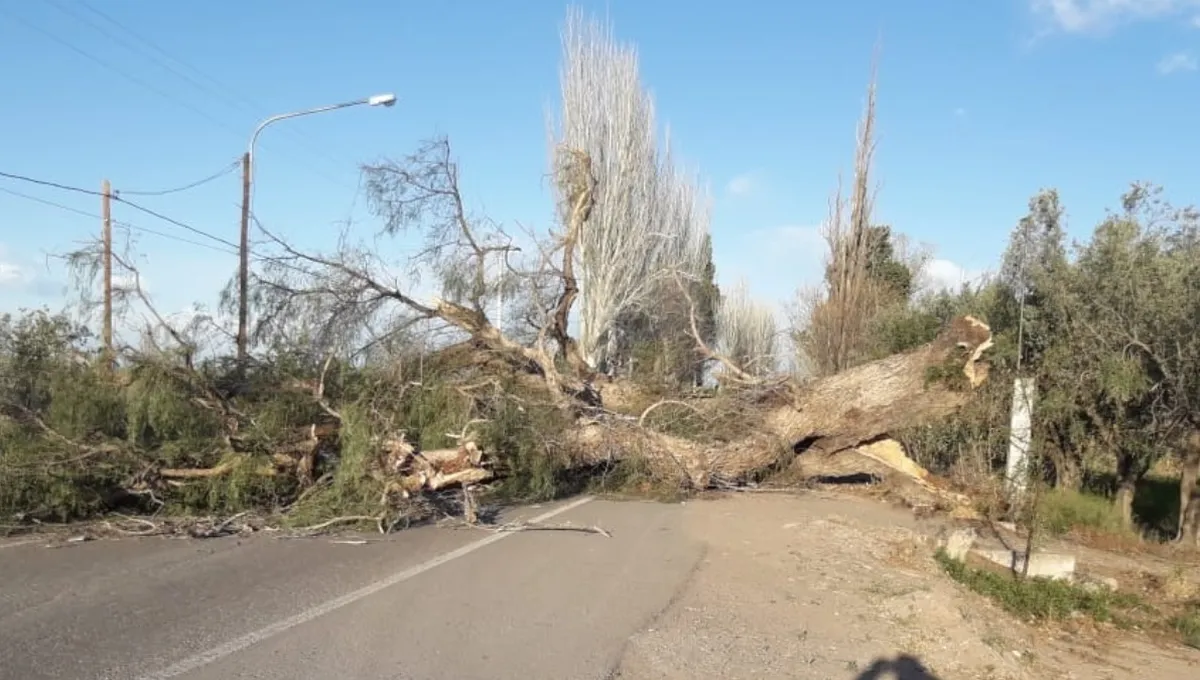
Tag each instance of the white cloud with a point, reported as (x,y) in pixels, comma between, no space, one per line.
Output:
(18,276)
(1177,63)
(11,275)
(1096,16)
(742,185)
(942,274)
(776,262)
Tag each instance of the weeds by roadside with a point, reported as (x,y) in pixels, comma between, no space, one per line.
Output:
(1187,624)
(1042,599)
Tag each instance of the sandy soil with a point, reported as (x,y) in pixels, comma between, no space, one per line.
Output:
(819,585)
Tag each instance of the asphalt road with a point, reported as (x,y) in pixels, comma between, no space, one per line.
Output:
(426,603)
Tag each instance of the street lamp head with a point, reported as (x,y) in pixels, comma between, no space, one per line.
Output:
(382,100)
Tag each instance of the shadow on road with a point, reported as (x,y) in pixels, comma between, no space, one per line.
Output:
(903,667)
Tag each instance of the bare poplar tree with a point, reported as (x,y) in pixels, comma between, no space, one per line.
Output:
(747,332)
(649,218)
(834,321)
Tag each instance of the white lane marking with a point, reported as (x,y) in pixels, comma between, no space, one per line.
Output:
(238,644)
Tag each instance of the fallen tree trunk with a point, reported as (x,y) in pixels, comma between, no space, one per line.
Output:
(869,401)
(836,414)
(850,412)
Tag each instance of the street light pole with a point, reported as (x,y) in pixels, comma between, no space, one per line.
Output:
(385,100)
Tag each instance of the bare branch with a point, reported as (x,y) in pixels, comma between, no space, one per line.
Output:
(707,352)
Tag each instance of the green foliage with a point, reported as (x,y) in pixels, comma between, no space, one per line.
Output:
(242,488)
(654,345)
(884,267)
(1041,598)
(975,439)
(525,438)
(1109,331)
(163,416)
(1187,624)
(1062,510)
(85,403)
(32,347)
(38,480)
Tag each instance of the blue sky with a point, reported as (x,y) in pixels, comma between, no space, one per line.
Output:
(981,103)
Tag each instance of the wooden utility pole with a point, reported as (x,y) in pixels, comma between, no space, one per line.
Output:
(106,217)
(244,262)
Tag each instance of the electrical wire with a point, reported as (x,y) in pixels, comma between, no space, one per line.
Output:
(218,88)
(216,175)
(131,204)
(47,183)
(126,225)
(52,204)
(133,48)
(148,86)
(234,248)
(172,220)
(106,65)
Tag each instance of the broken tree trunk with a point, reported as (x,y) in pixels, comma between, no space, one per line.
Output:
(835,414)
(872,400)
(432,470)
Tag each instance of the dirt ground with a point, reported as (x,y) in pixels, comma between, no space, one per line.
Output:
(818,585)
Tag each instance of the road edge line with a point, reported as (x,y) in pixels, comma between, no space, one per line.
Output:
(250,639)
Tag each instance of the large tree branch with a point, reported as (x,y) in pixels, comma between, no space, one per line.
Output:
(735,372)
(578,183)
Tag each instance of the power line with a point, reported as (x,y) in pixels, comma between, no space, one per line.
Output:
(47,183)
(148,86)
(127,225)
(218,88)
(170,220)
(135,206)
(133,79)
(125,43)
(229,93)
(173,237)
(52,204)
(216,175)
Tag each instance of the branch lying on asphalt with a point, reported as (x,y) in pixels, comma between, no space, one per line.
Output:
(526,526)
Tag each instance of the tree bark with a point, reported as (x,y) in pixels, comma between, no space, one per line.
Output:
(1189,492)
(1129,473)
(831,415)
(872,400)
(1067,473)
(1124,501)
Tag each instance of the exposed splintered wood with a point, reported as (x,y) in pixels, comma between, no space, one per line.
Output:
(432,470)
(872,400)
